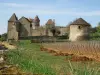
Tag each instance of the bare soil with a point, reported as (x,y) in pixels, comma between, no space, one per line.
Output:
(61,53)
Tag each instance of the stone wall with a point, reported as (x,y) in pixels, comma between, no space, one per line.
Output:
(25,27)
(39,32)
(77,32)
(12,31)
(63,30)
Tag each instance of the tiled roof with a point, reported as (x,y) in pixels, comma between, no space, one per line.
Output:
(50,22)
(13,17)
(80,21)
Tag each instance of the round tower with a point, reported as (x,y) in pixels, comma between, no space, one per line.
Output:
(13,28)
(79,30)
(36,22)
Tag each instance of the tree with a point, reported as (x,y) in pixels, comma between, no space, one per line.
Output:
(3,37)
(95,32)
(98,28)
(55,31)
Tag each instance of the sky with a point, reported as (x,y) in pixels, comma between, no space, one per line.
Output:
(63,11)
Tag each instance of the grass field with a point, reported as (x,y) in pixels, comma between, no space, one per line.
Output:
(30,59)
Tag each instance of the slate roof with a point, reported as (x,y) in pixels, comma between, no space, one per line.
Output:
(24,18)
(31,20)
(80,21)
(13,17)
(36,19)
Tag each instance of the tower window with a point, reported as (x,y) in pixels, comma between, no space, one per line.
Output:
(79,27)
(31,25)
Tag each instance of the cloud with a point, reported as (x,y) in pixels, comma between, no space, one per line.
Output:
(48,9)
(19,5)
(59,12)
(14,4)
(87,13)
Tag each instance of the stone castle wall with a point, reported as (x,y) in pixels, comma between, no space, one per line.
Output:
(25,29)
(41,32)
(12,31)
(63,30)
(38,32)
(78,32)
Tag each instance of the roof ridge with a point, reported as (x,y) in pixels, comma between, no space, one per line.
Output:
(79,21)
(25,18)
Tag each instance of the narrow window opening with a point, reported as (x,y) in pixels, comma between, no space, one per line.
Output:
(31,25)
(79,27)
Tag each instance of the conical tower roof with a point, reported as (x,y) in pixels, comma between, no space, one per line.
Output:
(80,21)
(49,22)
(36,19)
(13,17)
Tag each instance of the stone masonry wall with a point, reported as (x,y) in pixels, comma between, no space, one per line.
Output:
(76,31)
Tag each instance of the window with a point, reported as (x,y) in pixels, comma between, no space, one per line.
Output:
(31,25)
(79,27)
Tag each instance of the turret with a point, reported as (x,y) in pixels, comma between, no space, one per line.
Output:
(36,22)
(79,30)
(13,25)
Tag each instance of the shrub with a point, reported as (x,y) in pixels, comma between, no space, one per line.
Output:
(3,37)
(65,36)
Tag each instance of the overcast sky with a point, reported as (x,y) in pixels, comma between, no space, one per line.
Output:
(63,11)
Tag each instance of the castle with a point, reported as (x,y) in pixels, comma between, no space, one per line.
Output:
(79,30)
(24,27)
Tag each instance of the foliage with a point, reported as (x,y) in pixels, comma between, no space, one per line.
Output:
(65,36)
(55,31)
(3,37)
(29,58)
(49,26)
(95,33)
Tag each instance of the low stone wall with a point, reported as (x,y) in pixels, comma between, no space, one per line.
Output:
(34,37)
(38,39)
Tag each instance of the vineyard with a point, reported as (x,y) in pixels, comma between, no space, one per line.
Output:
(89,49)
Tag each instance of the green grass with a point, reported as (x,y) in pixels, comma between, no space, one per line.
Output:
(30,59)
